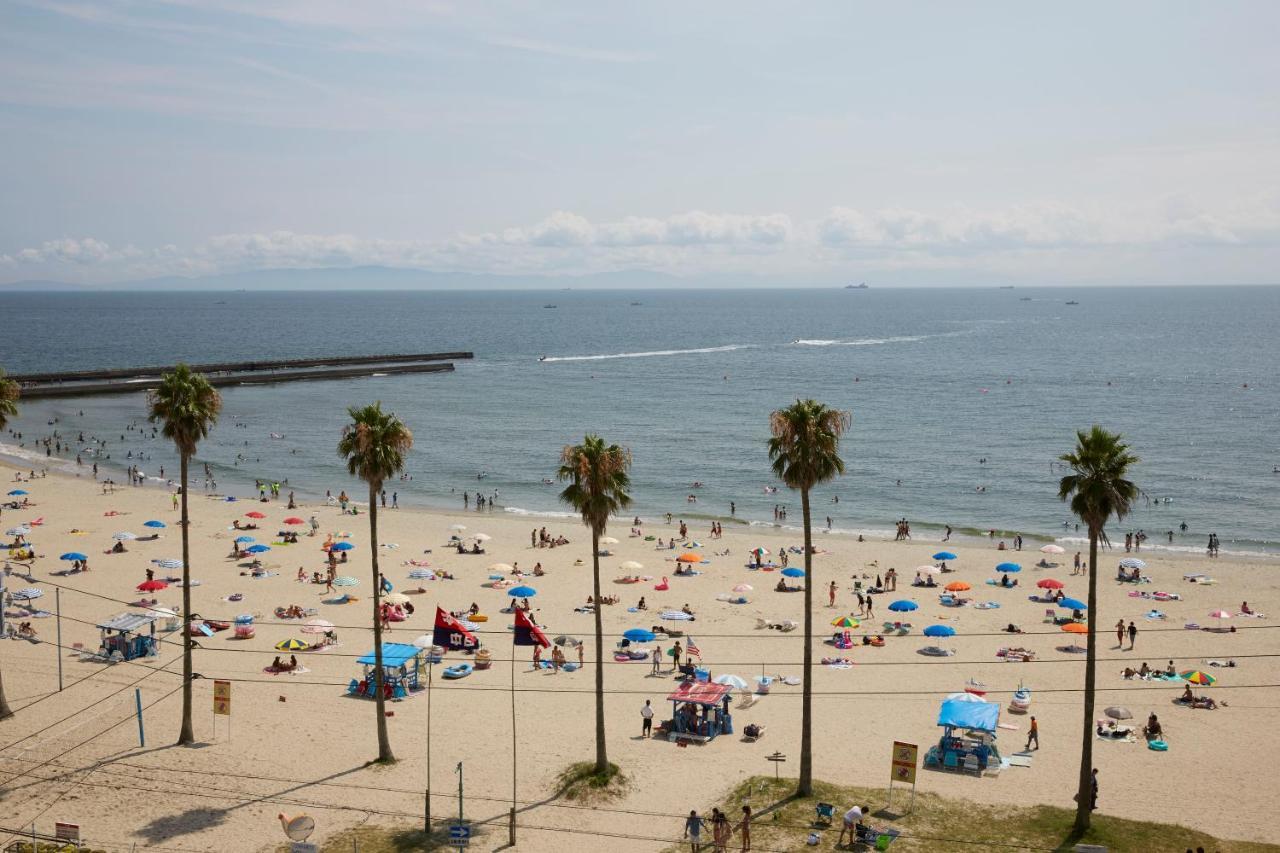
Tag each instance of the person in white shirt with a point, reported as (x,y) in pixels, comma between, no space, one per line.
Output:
(646,716)
(852,818)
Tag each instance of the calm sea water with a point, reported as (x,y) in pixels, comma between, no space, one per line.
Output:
(937,380)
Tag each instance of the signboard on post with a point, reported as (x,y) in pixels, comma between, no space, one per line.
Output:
(222,698)
(67,832)
(902,768)
(459,834)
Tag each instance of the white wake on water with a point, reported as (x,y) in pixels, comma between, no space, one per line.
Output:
(650,354)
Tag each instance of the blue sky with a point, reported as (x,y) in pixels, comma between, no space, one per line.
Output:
(913,143)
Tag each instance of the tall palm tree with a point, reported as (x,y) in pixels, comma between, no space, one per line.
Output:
(187,405)
(598,483)
(374,445)
(805,449)
(8,409)
(1097,489)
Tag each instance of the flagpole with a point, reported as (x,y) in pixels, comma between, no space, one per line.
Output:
(513,736)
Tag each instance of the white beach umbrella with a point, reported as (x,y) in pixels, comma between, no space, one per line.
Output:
(168,563)
(124,536)
(396,598)
(608,540)
(928,570)
(631,566)
(743,587)
(18,531)
(426,641)
(458,527)
(737,682)
(500,567)
(1053,549)
(482,537)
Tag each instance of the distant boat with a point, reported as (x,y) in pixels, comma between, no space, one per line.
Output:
(1073,302)
(1025,299)
(633,304)
(548,306)
(862,286)
(1006,287)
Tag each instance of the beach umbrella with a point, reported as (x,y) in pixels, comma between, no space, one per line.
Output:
(1116,712)
(793,573)
(293,519)
(258,549)
(957,586)
(254,514)
(18,492)
(1195,676)
(29,594)
(124,536)
(152,586)
(316,626)
(1053,549)
(482,537)
(426,641)
(945,555)
(928,570)
(566,640)
(1050,583)
(631,566)
(421,574)
(1072,604)
(458,527)
(168,563)
(639,635)
(964,696)
(1008,567)
(342,546)
(743,587)
(17,531)
(903,606)
(162,612)
(396,598)
(158,525)
(73,555)
(500,567)
(291,645)
(604,540)
(522,592)
(760,551)
(689,558)
(1220,615)
(1075,628)
(728,679)
(1132,563)
(345,580)
(939,631)
(240,540)
(845,622)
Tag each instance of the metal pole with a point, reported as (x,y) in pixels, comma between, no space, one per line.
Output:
(459,792)
(137,697)
(426,827)
(57,597)
(512,827)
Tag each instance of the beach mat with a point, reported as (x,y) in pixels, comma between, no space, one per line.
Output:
(1020,759)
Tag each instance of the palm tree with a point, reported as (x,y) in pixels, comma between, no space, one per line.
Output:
(805,449)
(8,409)
(1097,489)
(598,483)
(188,407)
(374,445)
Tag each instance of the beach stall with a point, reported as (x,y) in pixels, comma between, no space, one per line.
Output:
(968,736)
(402,669)
(700,711)
(129,636)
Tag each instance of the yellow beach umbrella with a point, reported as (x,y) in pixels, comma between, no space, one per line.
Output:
(291,645)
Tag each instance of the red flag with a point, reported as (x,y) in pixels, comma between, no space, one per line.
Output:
(527,633)
(450,634)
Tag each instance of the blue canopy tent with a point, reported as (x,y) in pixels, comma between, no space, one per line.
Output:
(968,736)
(402,667)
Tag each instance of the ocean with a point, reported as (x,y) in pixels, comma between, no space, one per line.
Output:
(961,398)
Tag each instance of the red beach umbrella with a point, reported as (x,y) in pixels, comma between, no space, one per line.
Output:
(254,514)
(152,586)
(293,519)
(1050,583)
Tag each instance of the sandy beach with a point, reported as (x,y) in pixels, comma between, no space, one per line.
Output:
(297,743)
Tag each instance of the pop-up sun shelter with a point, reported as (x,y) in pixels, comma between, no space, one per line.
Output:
(968,732)
(402,665)
(128,636)
(700,711)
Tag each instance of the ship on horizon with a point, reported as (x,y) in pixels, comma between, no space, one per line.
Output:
(862,286)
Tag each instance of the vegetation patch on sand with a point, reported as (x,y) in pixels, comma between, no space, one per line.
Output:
(581,782)
(782,822)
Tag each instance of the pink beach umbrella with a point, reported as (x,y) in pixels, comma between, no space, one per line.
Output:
(1220,615)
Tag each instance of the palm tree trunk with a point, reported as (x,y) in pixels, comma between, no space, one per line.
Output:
(187,735)
(379,700)
(805,787)
(1084,795)
(5,711)
(602,757)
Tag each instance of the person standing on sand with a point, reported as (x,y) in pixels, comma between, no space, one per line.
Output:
(1133,635)
(646,720)
(745,828)
(693,831)
(1120,634)
(831,595)
(1075,566)
(1093,797)
(1033,735)
(657,658)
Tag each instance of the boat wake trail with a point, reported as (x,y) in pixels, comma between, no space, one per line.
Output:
(650,354)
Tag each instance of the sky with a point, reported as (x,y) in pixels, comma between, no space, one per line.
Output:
(912,143)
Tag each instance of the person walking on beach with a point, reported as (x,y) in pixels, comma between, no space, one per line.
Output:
(1093,796)
(1120,634)
(1075,567)
(1133,635)
(870,608)
(693,831)
(1033,735)
(745,828)
(646,720)
(657,659)
(831,595)
(721,831)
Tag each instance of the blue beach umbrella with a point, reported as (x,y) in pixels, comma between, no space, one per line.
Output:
(73,555)
(159,525)
(522,592)
(793,573)
(903,606)
(945,555)
(939,631)
(18,492)
(240,540)
(342,546)
(1008,567)
(1073,604)
(257,549)
(640,635)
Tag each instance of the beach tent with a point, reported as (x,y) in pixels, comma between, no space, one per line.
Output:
(402,666)
(700,711)
(960,720)
(123,637)
(978,716)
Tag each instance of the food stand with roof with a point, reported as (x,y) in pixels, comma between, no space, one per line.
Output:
(968,736)
(129,636)
(402,666)
(700,711)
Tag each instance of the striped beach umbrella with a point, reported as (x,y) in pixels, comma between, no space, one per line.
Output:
(1132,563)
(291,645)
(1195,676)
(421,574)
(845,622)
(345,580)
(29,593)
(168,563)
(124,536)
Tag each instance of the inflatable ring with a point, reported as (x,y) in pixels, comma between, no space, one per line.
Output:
(477,617)
(1157,746)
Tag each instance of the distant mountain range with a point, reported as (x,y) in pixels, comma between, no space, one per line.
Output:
(382,278)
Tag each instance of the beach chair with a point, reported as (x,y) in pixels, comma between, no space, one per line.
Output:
(951,761)
(1049,614)
(824,814)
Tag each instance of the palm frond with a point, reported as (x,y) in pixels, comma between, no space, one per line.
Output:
(805,444)
(186,406)
(374,444)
